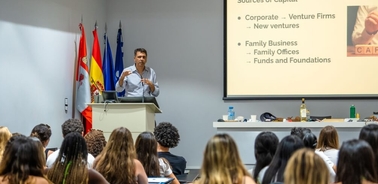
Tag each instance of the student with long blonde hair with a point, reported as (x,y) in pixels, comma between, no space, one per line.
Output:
(305,166)
(222,163)
(117,162)
(5,135)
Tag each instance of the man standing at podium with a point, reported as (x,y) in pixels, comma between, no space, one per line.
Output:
(138,79)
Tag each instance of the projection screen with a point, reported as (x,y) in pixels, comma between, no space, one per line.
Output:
(299,48)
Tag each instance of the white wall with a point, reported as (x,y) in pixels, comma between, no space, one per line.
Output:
(37,57)
(184,39)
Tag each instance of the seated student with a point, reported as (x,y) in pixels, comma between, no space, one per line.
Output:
(5,135)
(222,163)
(23,162)
(117,162)
(265,147)
(328,143)
(369,133)
(356,163)
(168,137)
(306,167)
(71,163)
(146,150)
(71,125)
(96,142)
(310,141)
(274,172)
(299,131)
(43,133)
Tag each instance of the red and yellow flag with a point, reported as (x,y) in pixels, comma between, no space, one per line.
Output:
(83,95)
(96,76)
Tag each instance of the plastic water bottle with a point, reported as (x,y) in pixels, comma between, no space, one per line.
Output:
(231,113)
(352,112)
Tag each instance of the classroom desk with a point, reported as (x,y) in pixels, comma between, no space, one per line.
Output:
(244,133)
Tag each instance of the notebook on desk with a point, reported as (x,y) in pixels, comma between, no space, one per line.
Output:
(159,180)
(188,177)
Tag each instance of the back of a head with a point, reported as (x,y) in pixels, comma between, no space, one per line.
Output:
(310,140)
(167,135)
(72,125)
(221,162)
(306,167)
(23,157)
(5,135)
(299,131)
(265,147)
(356,161)
(120,145)
(96,141)
(369,133)
(285,149)
(146,150)
(42,132)
(328,138)
(72,159)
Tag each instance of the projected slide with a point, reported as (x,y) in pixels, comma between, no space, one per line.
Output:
(300,48)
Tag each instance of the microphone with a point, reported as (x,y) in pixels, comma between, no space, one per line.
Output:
(141,77)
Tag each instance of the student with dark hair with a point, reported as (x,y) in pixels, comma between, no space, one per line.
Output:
(146,150)
(96,142)
(356,163)
(168,137)
(118,162)
(369,133)
(23,162)
(274,172)
(299,131)
(43,133)
(265,147)
(71,164)
(69,126)
(222,163)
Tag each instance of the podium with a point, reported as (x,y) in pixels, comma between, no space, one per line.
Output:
(137,117)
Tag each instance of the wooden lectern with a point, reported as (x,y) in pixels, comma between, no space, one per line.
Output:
(137,117)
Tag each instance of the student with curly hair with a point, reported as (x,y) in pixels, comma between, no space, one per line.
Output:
(356,163)
(5,135)
(96,142)
(69,126)
(23,162)
(117,162)
(306,167)
(71,165)
(43,133)
(146,149)
(222,163)
(168,137)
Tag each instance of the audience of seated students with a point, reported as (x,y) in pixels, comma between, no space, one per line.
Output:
(222,164)
(310,141)
(168,137)
(71,125)
(146,150)
(306,167)
(71,164)
(328,143)
(43,133)
(356,163)
(96,142)
(274,172)
(23,162)
(299,131)
(265,147)
(117,162)
(5,135)
(369,133)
